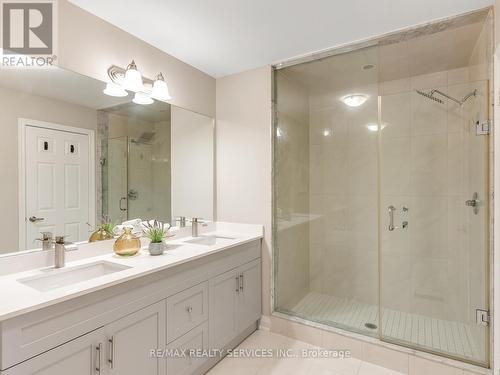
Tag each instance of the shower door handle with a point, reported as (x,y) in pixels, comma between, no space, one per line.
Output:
(120,204)
(391,210)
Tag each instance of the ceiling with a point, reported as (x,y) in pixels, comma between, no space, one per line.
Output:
(155,112)
(445,50)
(61,85)
(222,37)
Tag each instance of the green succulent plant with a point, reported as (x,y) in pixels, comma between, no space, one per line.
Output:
(108,227)
(156,232)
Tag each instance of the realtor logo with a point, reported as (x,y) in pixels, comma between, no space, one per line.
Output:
(28,28)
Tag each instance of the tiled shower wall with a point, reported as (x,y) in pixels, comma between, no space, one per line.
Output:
(292,198)
(428,160)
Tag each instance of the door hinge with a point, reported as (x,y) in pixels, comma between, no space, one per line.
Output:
(483,127)
(482,317)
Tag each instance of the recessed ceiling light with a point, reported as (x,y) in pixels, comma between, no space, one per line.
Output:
(327,132)
(354,100)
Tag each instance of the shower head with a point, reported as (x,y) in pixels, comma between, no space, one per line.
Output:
(145,137)
(430,96)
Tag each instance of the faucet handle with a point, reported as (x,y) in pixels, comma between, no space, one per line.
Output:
(181,220)
(46,236)
(60,240)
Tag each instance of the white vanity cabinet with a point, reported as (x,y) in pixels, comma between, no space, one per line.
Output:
(209,303)
(235,302)
(78,357)
(130,340)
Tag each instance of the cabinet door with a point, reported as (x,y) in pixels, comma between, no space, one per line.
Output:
(223,324)
(249,298)
(131,339)
(82,356)
(184,363)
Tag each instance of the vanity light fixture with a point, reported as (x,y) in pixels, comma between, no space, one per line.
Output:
(133,78)
(354,100)
(160,88)
(112,89)
(142,98)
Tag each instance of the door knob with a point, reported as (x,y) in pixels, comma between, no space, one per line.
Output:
(35,219)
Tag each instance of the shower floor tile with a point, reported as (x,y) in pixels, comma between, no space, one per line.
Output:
(452,338)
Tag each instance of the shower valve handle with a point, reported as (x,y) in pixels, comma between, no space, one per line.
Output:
(391,210)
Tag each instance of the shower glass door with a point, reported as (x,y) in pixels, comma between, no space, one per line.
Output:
(434,218)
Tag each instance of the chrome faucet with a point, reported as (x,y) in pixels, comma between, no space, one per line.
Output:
(60,252)
(195,221)
(47,240)
(182,221)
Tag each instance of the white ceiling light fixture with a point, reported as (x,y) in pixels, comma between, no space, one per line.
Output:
(142,98)
(133,78)
(354,100)
(160,89)
(112,89)
(373,127)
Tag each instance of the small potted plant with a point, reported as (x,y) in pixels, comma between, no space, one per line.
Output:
(156,232)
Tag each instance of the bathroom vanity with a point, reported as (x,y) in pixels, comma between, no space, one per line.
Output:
(143,315)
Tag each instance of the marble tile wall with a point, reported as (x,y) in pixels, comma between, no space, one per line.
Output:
(343,193)
(291,179)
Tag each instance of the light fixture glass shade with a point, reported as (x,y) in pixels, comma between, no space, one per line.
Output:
(354,100)
(160,89)
(373,127)
(142,98)
(112,89)
(133,78)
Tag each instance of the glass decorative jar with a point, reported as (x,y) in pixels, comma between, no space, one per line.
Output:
(127,244)
(101,234)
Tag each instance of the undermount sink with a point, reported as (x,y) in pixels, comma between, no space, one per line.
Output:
(211,240)
(58,278)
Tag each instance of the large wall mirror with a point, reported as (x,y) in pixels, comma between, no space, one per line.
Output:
(72,157)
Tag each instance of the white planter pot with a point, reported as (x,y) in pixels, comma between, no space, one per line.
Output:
(156,248)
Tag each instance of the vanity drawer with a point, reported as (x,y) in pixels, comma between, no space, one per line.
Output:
(186,310)
(196,339)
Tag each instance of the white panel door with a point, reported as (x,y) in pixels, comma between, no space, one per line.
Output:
(57,184)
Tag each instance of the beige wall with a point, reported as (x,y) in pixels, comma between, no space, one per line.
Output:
(89,45)
(16,104)
(243,157)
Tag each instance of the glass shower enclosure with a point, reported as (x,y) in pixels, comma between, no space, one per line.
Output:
(381,190)
(136,179)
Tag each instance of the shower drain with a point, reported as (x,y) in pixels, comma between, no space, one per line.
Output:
(370,326)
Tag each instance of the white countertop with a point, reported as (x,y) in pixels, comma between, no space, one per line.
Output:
(17,298)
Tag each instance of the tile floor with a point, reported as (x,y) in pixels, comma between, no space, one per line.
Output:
(277,365)
(453,338)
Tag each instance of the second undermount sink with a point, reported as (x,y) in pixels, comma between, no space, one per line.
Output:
(211,240)
(58,278)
